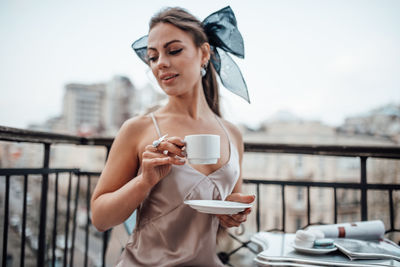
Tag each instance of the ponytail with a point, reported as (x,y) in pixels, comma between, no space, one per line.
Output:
(210,87)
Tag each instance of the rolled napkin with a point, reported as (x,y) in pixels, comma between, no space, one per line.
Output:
(304,239)
(317,233)
(368,230)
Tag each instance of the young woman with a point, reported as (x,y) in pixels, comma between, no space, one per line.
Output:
(154,176)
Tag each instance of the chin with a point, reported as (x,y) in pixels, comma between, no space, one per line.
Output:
(172,91)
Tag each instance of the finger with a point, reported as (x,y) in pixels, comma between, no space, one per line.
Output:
(247,211)
(176,141)
(164,160)
(239,217)
(151,155)
(171,148)
(178,160)
(150,148)
(232,222)
(223,222)
(238,197)
(172,159)
(229,221)
(153,162)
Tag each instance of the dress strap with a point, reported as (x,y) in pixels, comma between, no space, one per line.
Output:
(155,124)
(223,127)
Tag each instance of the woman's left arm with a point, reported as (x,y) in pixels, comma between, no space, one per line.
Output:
(236,195)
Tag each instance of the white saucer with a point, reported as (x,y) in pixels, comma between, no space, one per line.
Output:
(313,250)
(217,206)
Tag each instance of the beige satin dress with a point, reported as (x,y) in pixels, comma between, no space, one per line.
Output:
(170,233)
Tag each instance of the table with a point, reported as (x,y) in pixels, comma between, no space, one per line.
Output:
(278,251)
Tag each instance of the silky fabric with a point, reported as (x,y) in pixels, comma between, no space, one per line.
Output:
(169,232)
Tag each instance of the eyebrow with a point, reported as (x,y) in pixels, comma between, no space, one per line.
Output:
(166,44)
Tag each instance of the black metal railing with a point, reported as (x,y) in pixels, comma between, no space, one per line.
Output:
(47,139)
(71,215)
(362,152)
(358,186)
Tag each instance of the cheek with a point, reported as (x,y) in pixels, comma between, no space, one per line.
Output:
(154,71)
(191,67)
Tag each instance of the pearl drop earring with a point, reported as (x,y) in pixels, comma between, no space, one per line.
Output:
(203,70)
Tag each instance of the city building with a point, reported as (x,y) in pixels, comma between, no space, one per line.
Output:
(100,108)
(83,108)
(383,121)
(291,130)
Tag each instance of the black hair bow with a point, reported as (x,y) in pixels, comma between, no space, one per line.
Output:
(223,37)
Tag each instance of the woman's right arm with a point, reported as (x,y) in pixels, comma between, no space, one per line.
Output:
(117,195)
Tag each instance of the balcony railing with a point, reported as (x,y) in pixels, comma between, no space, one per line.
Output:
(47,242)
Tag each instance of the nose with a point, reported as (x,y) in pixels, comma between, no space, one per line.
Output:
(163,61)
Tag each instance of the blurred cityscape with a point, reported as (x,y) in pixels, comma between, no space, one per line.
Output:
(100,109)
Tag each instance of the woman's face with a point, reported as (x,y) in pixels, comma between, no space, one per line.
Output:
(174,59)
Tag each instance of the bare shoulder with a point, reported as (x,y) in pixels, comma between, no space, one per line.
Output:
(136,123)
(132,130)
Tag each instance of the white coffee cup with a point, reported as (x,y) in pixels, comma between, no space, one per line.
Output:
(202,148)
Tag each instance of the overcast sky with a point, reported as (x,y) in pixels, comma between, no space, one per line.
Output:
(321,60)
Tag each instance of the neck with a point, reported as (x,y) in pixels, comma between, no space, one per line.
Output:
(192,104)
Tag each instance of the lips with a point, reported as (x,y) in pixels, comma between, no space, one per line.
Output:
(168,76)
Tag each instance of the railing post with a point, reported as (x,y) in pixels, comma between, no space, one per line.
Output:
(363,183)
(23,237)
(308,206)
(392,227)
(71,259)
(43,209)
(6,213)
(335,204)
(105,242)
(106,233)
(258,208)
(87,221)
(66,235)
(53,251)
(283,209)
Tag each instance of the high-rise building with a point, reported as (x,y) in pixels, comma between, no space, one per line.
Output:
(118,104)
(83,107)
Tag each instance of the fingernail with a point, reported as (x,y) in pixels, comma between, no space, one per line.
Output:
(181,160)
(183,153)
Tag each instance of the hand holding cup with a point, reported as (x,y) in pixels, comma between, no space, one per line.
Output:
(158,158)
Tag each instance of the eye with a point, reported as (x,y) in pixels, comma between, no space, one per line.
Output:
(151,58)
(176,51)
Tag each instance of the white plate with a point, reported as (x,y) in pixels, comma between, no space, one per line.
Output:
(313,250)
(217,206)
